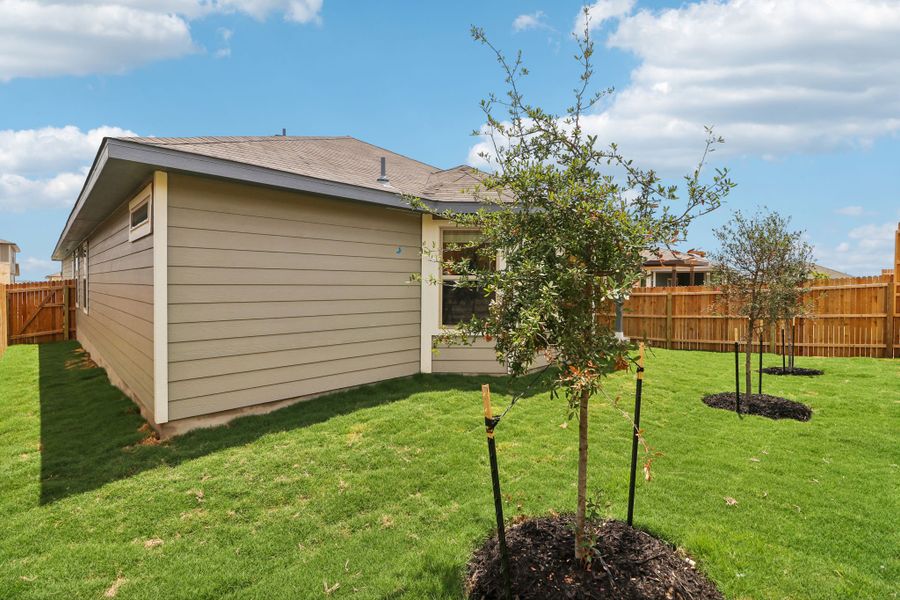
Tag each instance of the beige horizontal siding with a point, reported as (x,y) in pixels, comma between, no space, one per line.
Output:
(285,277)
(227,311)
(213,294)
(480,357)
(295,389)
(361,242)
(276,295)
(238,328)
(259,260)
(68,267)
(195,350)
(118,328)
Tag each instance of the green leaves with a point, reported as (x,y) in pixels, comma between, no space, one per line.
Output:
(570,218)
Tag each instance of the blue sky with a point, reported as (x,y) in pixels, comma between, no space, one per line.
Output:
(806,94)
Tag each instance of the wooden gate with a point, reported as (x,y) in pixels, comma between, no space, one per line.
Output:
(33,313)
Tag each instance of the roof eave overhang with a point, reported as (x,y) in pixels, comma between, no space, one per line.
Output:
(137,160)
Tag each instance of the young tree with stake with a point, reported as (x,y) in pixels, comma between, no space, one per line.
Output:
(570,220)
(760,266)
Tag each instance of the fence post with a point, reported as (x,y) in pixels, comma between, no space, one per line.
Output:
(669,333)
(889,309)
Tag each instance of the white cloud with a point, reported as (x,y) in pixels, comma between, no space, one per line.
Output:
(601,11)
(225,36)
(51,149)
(36,269)
(18,194)
(45,168)
(304,11)
(775,78)
(42,39)
(867,249)
(850,211)
(530,21)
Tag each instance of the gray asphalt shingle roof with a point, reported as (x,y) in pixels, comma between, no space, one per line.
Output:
(341,159)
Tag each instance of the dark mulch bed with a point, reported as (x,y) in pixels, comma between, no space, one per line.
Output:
(630,565)
(763,405)
(792,371)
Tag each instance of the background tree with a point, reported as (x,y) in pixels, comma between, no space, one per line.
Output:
(570,220)
(760,265)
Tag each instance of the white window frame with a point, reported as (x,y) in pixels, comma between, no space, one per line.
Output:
(445,277)
(82,276)
(144,228)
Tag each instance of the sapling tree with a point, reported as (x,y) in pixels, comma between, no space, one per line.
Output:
(569,218)
(760,265)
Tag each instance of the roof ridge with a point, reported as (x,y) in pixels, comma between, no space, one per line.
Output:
(457,167)
(227,139)
(415,160)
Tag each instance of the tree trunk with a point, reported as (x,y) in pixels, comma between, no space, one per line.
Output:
(581,509)
(748,354)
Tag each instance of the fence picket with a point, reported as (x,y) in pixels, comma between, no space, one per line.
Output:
(36,312)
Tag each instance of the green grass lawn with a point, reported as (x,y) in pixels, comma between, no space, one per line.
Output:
(385,490)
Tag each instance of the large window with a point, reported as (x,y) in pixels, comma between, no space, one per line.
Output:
(460,304)
(664,278)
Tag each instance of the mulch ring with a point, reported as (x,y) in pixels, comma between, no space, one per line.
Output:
(792,371)
(628,564)
(763,405)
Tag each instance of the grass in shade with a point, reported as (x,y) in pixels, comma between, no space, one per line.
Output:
(384,491)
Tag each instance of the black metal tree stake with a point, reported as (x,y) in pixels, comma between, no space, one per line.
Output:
(759,391)
(793,339)
(489,423)
(783,358)
(636,433)
(737,373)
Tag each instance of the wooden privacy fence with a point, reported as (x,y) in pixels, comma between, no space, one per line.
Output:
(32,313)
(856,316)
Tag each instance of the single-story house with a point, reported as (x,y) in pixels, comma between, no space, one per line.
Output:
(828,273)
(666,268)
(226,275)
(9,268)
(673,268)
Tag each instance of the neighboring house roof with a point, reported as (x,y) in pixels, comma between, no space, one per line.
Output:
(675,258)
(830,273)
(695,258)
(8,243)
(341,167)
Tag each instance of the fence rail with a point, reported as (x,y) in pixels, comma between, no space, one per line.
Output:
(37,312)
(856,316)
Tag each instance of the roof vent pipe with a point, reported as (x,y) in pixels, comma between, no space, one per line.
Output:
(383,178)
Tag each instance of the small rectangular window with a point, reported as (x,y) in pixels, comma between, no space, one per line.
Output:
(140,214)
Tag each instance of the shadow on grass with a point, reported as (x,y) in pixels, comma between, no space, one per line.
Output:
(92,434)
